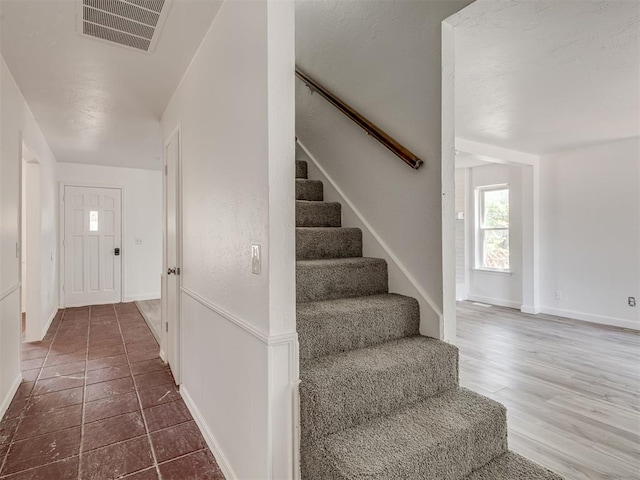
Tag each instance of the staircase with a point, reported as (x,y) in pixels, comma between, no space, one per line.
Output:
(377,399)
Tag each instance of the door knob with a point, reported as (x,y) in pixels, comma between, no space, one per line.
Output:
(173,271)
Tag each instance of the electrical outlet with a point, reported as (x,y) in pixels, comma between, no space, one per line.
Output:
(256,260)
(631,301)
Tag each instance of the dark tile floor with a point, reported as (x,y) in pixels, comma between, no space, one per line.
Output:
(97,403)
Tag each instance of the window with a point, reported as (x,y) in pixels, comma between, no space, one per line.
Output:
(493,227)
(93,221)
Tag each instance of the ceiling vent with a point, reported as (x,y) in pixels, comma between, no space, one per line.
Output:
(130,23)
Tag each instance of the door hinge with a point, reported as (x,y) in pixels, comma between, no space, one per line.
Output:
(166,327)
(166,169)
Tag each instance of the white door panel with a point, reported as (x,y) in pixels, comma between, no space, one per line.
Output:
(172,249)
(92,238)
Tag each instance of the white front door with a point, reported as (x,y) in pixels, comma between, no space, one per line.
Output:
(92,245)
(172,249)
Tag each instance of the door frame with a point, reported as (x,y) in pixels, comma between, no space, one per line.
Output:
(164,337)
(61,253)
(30,222)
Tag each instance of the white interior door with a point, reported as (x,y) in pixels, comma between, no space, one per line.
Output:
(92,245)
(172,252)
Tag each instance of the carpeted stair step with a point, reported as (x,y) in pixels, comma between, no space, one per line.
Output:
(313,243)
(309,190)
(340,278)
(334,326)
(445,437)
(318,214)
(511,466)
(348,389)
(301,169)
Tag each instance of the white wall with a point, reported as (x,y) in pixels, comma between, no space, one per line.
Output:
(235,106)
(17,125)
(497,288)
(142,220)
(590,242)
(384,59)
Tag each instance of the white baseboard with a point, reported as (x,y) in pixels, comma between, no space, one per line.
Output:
(141,297)
(6,401)
(494,301)
(530,309)
(212,443)
(45,329)
(591,318)
(163,356)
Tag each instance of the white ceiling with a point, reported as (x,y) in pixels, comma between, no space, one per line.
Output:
(542,76)
(96,102)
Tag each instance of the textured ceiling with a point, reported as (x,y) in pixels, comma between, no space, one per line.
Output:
(96,102)
(542,76)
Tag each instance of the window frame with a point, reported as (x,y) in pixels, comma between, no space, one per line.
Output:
(481,229)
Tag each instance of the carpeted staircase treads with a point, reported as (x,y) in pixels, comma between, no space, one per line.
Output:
(318,214)
(445,437)
(301,169)
(313,243)
(309,190)
(333,326)
(511,466)
(378,401)
(340,278)
(348,389)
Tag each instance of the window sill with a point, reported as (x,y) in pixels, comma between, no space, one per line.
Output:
(493,272)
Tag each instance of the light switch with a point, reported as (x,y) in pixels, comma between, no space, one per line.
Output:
(138,241)
(256,260)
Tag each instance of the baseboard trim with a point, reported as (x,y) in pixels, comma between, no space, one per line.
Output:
(45,329)
(530,309)
(139,298)
(212,443)
(494,301)
(6,401)
(591,318)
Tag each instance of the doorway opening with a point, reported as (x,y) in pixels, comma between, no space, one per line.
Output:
(30,248)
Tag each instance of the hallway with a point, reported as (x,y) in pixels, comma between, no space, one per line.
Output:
(98,403)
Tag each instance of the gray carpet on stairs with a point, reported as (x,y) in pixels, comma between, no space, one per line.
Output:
(347,389)
(318,214)
(511,466)
(313,243)
(377,400)
(333,326)
(328,279)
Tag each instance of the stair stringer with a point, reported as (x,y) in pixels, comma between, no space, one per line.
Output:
(400,279)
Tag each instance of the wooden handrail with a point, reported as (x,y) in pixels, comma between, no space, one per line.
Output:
(370,129)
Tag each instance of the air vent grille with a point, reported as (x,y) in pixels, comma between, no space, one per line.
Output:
(131,23)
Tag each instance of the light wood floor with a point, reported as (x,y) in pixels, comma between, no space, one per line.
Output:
(572,389)
(151,312)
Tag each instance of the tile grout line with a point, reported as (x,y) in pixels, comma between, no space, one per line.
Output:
(28,400)
(84,396)
(135,386)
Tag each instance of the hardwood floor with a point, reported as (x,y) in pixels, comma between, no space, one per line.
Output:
(572,389)
(152,314)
